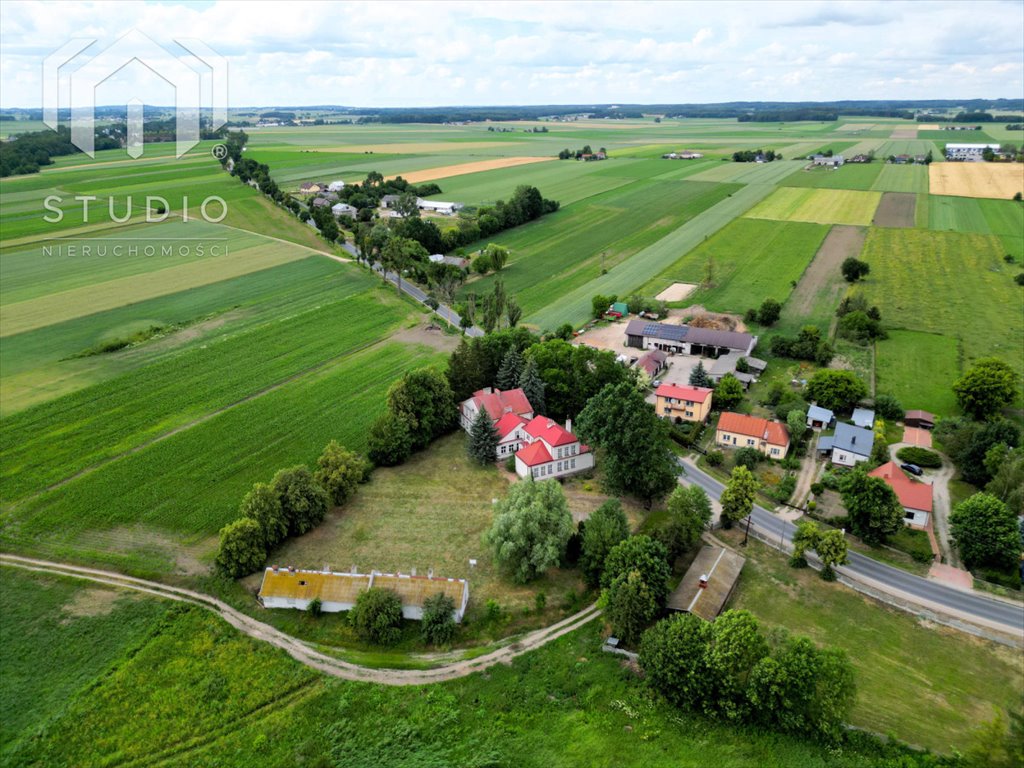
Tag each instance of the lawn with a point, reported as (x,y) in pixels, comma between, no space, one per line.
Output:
(970,296)
(822,206)
(919,368)
(927,685)
(753,260)
(431,512)
(573,245)
(860,176)
(198,693)
(134,511)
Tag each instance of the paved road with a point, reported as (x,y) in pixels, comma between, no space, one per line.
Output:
(305,652)
(443,311)
(932,595)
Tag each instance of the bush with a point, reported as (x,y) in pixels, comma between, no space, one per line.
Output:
(914,543)
(812,505)
(377,616)
(438,623)
(889,408)
(715,458)
(784,490)
(1009,578)
(316,607)
(748,457)
(920,456)
(817,488)
(769,312)
(510,463)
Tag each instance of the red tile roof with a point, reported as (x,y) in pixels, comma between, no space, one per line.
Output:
(507,423)
(534,454)
(772,432)
(693,394)
(497,402)
(912,494)
(548,430)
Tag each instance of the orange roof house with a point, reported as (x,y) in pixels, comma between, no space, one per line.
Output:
(737,430)
(915,497)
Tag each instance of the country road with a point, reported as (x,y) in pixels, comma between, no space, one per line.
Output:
(868,575)
(304,652)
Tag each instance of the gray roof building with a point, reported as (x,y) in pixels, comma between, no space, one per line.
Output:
(853,439)
(863,417)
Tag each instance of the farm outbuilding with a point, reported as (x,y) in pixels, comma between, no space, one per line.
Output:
(920,419)
(708,584)
(295,588)
(818,417)
(687,340)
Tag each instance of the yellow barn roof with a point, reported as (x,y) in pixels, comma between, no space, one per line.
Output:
(346,587)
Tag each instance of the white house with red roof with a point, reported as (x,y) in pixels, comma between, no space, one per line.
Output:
(551,450)
(915,497)
(510,411)
(737,430)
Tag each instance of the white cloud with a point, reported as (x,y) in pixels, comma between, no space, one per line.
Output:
(412,53)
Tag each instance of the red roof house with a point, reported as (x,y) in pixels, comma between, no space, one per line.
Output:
(737,430)
(915,497)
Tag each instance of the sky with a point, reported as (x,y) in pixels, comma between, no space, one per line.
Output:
(393,54)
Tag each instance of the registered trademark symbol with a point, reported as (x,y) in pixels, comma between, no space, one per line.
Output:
(219,151)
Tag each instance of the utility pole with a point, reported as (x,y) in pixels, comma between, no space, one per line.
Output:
(746,534)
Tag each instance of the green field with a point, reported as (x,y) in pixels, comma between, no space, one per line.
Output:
(228,700)
(820,206)
(919,368)
(753,260)
(572,246)
(970,295)
(56,638)
(902,178)
(927,687)
(575,305)
(850,176)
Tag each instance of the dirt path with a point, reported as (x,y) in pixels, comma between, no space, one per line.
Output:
(808,474)
(823,275)
(304,652)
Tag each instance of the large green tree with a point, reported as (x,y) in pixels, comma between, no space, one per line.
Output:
(303,500)
(644,555)
(637,458)
(377,616)
(630,606)
(423,399)
(572,375)
(531,527)
(738,496)
(987,387)
(1007,483)
(986,532)
(482,444)
(340,471)
(837,390)
(874,509)
(263,505)
(832,551)
(389,442)
(689,512)
(735,648)
(606,527)
(728,393)
(241,550)
(672,656)
(437,625)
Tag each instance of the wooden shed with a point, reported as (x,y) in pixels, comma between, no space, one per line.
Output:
(919,419)
(708,584)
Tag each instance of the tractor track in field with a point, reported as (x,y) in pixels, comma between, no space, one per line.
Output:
(300,650)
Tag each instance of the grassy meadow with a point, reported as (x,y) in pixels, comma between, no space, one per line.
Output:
(230,700)
(820,206)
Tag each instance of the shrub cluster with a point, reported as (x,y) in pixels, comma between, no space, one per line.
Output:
(920,456)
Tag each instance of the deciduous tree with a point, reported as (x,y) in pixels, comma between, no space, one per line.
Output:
(532,525)
(263,505)
(377,616)
(832,551)
(438,623)
(637,457)
(603,530)
(304,502)
(340,471)
(738,496)
(423,399)
(630,606)
(689,512)
(389,441)
(837,390)
(644,555)
(241,550)
(986,532)
(875,511)
(728,393)
(988,386)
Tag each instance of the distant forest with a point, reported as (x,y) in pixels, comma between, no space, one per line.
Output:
(972,110)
